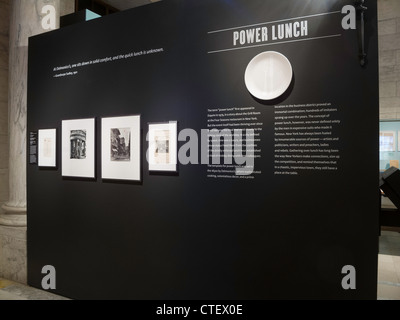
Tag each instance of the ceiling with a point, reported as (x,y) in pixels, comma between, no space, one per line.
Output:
(127,4)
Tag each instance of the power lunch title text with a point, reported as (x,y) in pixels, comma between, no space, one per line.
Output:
(289,30)
(275,32)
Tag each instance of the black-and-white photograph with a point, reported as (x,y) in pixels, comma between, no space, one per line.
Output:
(163,145)
(120,148)
(78,144)
(78,148)
(162,141)
(120,142)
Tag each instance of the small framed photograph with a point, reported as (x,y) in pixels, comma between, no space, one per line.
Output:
(78,148)
(387,141)
(47,147)
(120,148)
(163,146)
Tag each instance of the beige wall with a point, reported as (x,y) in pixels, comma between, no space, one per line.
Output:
(4,27)
(67,7)
(389,58)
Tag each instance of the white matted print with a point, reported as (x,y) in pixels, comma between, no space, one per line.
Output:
(47,147)
(163,145)
(120,148)
(78,148)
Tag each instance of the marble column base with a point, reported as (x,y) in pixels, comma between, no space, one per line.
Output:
(12,220)
(13,254)
(12,216)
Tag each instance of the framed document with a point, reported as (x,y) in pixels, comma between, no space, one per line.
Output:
(163,146)
(78,148)
(47,148)
(120,148)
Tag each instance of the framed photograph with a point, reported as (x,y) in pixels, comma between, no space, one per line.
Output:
(387,141)
(47,148)
(78,148)
(163,146)
(120,148)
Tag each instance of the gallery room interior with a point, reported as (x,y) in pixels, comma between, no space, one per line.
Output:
(201,149)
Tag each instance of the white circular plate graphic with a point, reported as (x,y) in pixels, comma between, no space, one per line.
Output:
(268,75)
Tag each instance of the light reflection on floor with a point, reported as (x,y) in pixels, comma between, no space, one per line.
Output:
(389,265)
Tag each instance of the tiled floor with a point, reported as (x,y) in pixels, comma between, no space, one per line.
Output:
(15,291)
(388,275)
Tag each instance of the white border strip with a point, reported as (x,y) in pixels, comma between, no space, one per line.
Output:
(258,24)
(273,43)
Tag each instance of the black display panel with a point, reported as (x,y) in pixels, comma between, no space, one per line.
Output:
(311,204)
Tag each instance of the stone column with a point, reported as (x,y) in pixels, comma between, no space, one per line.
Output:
(26,20)
(4,40)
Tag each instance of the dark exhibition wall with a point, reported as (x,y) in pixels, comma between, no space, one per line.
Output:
(310,205)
